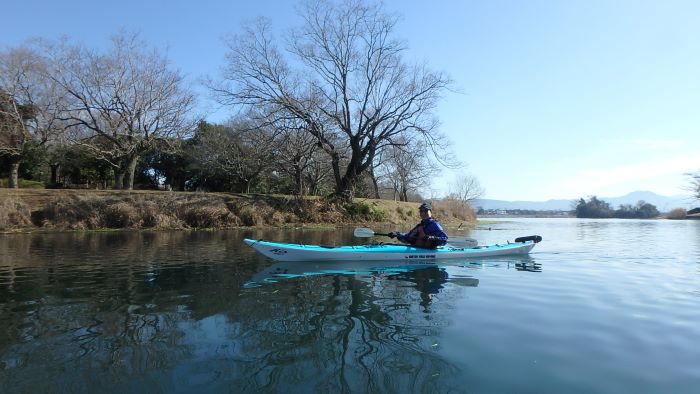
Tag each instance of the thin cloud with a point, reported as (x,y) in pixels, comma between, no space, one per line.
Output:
(590,180)
(645,143)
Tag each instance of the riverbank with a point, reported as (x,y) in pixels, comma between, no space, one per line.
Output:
(27,210)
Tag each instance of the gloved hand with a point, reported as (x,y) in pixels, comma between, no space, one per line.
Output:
(393,234)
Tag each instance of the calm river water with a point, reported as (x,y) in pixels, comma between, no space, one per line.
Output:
(608,306)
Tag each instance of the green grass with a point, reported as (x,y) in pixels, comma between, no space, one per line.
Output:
(25,184)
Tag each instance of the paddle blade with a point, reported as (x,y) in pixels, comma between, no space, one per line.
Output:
(363,232)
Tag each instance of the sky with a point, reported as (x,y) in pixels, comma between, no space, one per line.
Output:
(554,99)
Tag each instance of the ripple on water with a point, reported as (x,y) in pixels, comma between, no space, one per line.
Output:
(600,306)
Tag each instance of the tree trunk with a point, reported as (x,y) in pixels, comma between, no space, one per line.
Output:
(13,179)
(335,164)
(298,181)
(118,178)
(130,170)
(375,185)
(55,173)
(345,189)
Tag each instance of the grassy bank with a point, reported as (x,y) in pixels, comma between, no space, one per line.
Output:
(58,210)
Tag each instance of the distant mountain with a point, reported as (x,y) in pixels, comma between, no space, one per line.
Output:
(662,203)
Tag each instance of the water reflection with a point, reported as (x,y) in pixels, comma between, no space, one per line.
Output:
(391,269)
(144,312)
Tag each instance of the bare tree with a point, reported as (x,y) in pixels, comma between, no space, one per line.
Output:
(297,156)
(466,189)
(694,184)
(406,168)
(317,175)
(28,105)
(236,152)
(121,103)
(14,133)
(352,88)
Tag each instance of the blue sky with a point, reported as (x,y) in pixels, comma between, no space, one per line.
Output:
(557,99)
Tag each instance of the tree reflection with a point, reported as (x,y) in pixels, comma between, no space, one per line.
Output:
(340,333)
(111,302)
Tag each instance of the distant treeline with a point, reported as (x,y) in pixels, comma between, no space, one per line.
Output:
(522,212)
(595,208)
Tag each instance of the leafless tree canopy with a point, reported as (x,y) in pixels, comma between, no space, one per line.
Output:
(405,169)
(120,103)
(466,188)
(343,76)
(694,185)
(236,151)
(300,157)
(28,105)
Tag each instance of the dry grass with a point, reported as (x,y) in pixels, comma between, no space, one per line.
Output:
(14,214)
(454,210)
(677,213)
(450,213)
(104,209)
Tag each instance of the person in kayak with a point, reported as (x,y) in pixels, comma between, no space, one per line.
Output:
(427,234)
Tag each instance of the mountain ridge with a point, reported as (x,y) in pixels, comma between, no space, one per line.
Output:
(662,203)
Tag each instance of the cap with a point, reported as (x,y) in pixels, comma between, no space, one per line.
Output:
(425,207)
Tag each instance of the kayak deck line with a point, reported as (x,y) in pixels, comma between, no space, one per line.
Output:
(380,251)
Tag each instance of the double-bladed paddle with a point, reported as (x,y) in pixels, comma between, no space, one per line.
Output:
(363,232)
(464,242)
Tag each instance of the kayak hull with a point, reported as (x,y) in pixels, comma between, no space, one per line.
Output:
(381,252)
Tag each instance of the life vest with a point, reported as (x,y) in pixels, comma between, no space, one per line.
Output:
(417,234)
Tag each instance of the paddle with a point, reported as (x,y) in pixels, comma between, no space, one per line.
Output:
(363,232)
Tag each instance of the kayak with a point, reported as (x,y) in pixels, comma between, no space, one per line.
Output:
(386,252)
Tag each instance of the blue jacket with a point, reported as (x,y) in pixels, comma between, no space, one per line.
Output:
(427,234)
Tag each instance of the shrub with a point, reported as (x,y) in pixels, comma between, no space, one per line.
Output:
(403,214)
(250,217)
(360,210)
(121,215)
(150,216)
(204,212)
(72,212)
(677,213)
(459,209)
(14,214)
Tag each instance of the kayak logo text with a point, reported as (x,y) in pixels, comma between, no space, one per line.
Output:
(278,252)
(420,256)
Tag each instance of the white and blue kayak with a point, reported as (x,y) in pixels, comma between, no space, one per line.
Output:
(387,252)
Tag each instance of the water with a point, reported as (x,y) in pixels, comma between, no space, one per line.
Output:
(600,306)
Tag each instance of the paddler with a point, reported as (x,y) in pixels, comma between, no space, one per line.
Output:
(427,234)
